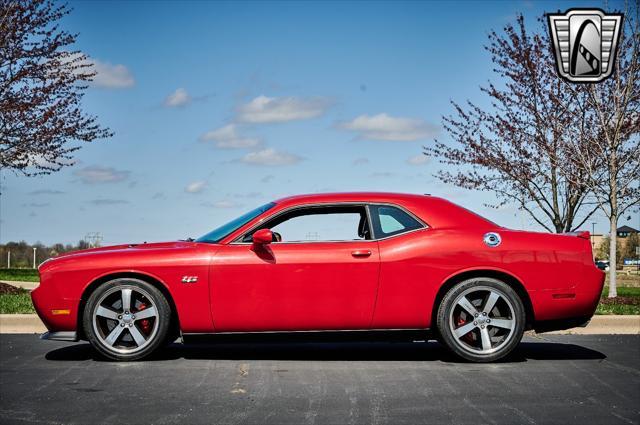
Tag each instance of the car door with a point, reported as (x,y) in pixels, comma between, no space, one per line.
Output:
(324,278)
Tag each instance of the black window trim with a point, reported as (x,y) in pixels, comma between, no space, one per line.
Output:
(366,205)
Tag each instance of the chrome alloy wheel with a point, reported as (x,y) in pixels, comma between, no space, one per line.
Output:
(125,319)
(482,320)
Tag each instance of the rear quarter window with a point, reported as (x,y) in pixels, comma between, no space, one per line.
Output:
(389,220)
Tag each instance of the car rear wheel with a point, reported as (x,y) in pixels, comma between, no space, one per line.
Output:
(481,319)
(126,319)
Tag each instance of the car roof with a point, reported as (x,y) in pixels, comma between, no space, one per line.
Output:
(348,197)
(433,210)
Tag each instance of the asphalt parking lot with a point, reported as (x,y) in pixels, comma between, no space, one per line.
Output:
(550,379)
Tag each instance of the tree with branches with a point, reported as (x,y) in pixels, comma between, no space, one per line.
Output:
(42,82)
(516,147)
(610,114)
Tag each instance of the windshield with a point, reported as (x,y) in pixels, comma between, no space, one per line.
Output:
(226,229)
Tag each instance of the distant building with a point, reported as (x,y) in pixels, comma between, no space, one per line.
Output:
(622,232)
(596,241)
(625,231)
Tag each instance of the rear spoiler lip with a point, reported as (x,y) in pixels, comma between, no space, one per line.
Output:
(583,234)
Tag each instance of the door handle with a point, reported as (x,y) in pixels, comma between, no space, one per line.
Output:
(361,253)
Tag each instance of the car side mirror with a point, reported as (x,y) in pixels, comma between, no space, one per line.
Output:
(263,237)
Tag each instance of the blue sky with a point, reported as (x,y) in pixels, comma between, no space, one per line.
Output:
(218,107)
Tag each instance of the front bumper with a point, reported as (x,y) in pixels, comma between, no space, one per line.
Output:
(68,336)
(59,314)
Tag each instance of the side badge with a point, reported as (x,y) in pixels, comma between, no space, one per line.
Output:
(189,279)
(492,239)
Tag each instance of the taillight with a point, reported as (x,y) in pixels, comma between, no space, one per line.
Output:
(583,234)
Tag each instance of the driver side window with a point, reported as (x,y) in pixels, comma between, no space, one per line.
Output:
(319,224)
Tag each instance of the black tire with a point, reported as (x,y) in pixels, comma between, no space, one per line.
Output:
(149,335)
(471,336)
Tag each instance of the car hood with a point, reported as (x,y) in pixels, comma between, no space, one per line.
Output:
(124,248)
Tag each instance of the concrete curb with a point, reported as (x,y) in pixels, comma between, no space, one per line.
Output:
(630,325)
(30,286)
(21,324)
(607,324)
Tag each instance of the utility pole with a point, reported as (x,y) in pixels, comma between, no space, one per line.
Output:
(94,239)
(593,239)
(8,259)
(34,257)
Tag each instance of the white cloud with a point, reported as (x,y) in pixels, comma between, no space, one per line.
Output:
(386,127)
(419,159)
(46,192)
(265,109)
(225,203)
(103,202)
(107,75)
(39,160)
(196,187)
(383,174)
(49,161)
(248,195)
(37,204)
(360,161)
(271,157)
(180,97)
(96,174)
(227,137)
(111,76)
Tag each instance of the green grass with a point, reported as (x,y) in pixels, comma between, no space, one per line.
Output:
(21,275)
(630,297)
(16,303)
(617,309)
(623,292)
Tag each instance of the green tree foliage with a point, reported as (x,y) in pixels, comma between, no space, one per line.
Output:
(633,241)
(602,252)
(22,252)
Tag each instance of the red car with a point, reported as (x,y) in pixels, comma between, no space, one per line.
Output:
(327,262)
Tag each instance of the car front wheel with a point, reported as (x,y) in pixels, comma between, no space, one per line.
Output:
(126,319)
(481,319)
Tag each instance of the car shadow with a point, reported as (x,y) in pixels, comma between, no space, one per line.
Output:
(332,351)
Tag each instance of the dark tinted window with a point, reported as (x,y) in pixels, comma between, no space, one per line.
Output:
(388,221)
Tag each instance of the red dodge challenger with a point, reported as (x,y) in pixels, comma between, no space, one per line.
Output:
(327,262)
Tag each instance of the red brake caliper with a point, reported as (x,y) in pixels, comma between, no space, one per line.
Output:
(468,337)
(144,323)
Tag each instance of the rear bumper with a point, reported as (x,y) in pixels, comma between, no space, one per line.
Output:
(68,336)
(569,304)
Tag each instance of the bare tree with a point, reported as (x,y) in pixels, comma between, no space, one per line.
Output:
(516,146)
(610,112)
(42,83)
